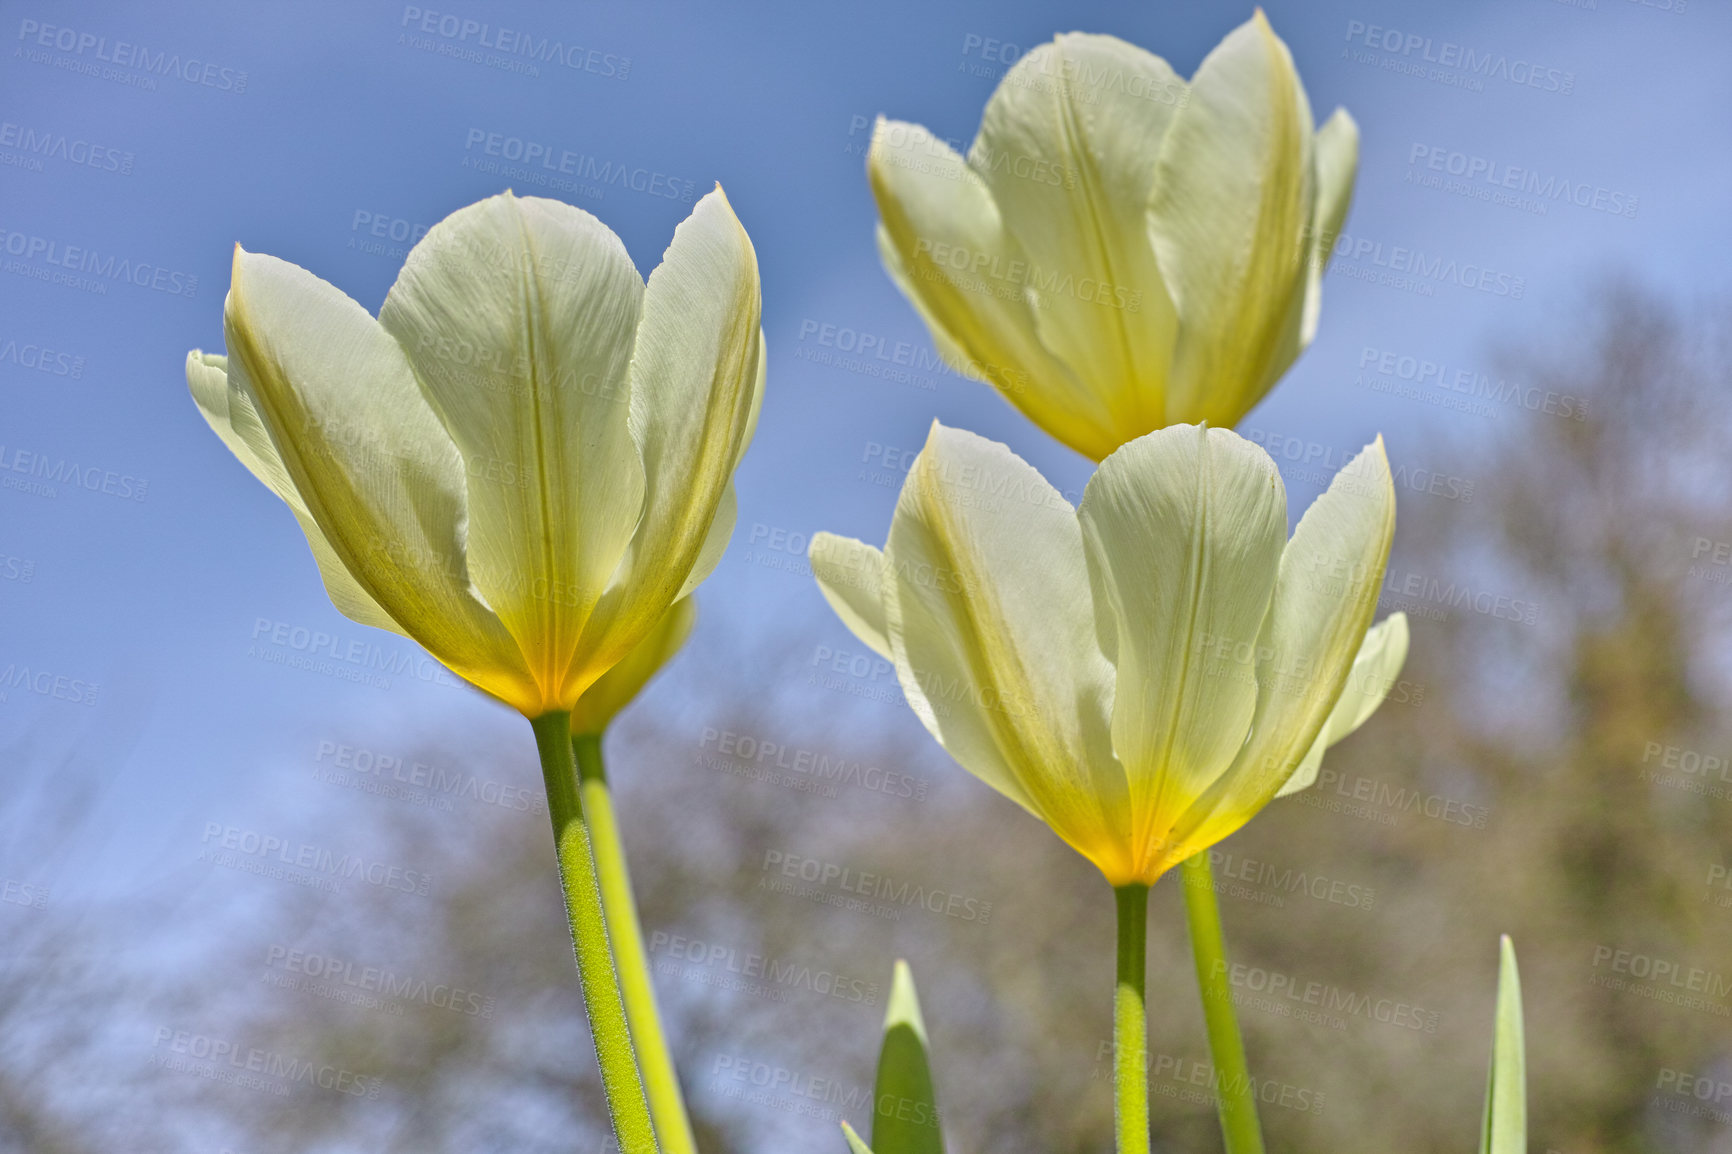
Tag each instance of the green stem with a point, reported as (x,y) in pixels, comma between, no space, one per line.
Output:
(1235,1097)
(601,995)
(1131,1022)
(631,960)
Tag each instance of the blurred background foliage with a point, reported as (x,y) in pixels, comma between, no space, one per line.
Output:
(1506,787)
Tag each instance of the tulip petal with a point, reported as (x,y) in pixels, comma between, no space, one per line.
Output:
(519,316)
(230,414)
(359,443)
(1380,658)
(727,510)
(1325,597)
(1336,157)
(989,622)
(1068,147)
(850,574)
(944,243)
(1230,218)
(1183,530)
(696,383)
(615,689)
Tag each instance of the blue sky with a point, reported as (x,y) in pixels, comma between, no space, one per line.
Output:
(327,133)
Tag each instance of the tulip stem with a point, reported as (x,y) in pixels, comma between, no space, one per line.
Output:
(620,1079)
(631,960)
(1131,1022)
(1235,1097)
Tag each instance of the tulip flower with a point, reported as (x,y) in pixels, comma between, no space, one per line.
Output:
(522,464)
(1121,250)
(1143,673)
(528,457)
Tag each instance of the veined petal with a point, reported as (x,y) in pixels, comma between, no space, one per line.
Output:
(696,379)
(230,414)
(990,625)
(1183,530)
(850,574)
(1230,218)
(1379,663)
(945,244)
(378,475)
(727,509)
(1325,597)
(519,316)
(1335,157)
(1068,146)
(615,689)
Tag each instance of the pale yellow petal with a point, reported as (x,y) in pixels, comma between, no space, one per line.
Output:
(850,574)
(1231,220)
(229,413)
(1183,530)
(1068,147)
(1379,663)
(954,257)
(616,688)
(519,314)
(696,382)
(1336,159)
(727,510)
(990,625)
(377,473)
(1325,597)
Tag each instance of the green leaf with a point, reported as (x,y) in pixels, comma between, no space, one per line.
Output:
(904,1107)
(1505,1128)
(855,1144)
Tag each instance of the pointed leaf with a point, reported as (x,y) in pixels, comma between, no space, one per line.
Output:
(905,1109)
(1505,1127)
